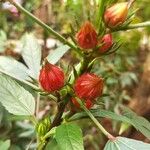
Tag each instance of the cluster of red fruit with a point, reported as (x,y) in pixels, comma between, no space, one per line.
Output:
(114,16)
(88,86)
(87,38)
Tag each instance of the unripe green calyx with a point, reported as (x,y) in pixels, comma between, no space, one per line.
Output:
(41,129)
(43,126)
(47,122)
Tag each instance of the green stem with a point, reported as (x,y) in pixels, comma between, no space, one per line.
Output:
(45,26)
(138,25)
(133,26)
(40,146)
(37,105)
(43,142)
(49,134)
(100,15)
(52,97)
(84,64)
(102,129)
(34,120)
(28,146)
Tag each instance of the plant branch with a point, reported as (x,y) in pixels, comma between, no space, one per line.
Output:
(61,107)
(102,129)
(57,121)
(133,26)
(45,26)
(43,142)
(48,134)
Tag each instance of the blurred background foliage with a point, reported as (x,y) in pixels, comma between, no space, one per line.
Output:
(122,71)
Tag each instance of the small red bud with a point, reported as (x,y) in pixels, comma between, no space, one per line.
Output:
(88,86)
(51,78)
(87,36)
(106,42)
(116,14)
(88,103)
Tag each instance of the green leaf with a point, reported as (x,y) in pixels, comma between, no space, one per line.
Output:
(69,137)
(15,98)
(101,113)
(72,75)
(100,14)
(128,116)
(14,68)
(31,53)
(27,134)
(56,55)
(17,118)
(14,147)
(138,122)
(4,145)
(122,143)
(3,39)
(52,145)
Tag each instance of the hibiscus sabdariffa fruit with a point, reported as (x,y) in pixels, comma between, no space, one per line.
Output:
(106,42)
(116,14)
(87,37)
(51,78)
(89,86)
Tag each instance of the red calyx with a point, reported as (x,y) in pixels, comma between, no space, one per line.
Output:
(87,37)
(116,14)
(51,78)
(106,42)
(88,86)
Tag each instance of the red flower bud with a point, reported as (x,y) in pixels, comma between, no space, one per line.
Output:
(88,86)
(51,78)
(116,14)
(88,103)
(87,36)
(106,42)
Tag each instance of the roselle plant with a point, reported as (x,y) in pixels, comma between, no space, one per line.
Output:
(75,92)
